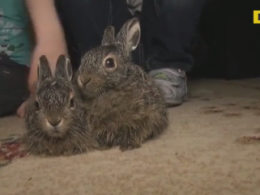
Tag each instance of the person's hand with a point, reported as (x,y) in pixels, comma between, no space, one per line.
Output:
(21,110)
(49,37)
(52,52)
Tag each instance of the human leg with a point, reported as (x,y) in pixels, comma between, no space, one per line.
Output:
(86,20)
(13,85)
(168,46)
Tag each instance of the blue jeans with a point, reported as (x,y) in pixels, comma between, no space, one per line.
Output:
(167,28)
(13,85)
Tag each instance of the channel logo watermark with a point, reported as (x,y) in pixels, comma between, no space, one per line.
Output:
(256,16)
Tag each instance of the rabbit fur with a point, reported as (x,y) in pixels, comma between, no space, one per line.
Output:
(125,107)
(55,118)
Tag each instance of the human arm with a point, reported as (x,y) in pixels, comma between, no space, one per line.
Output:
(49,36)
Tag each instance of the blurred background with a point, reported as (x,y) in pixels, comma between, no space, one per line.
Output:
(227,44)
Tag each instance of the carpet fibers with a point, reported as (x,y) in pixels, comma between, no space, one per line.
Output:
(211,147)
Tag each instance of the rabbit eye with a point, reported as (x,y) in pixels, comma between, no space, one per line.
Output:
(72,103)
(110,63)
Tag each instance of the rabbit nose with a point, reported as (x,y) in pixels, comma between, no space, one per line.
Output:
(54,121)
(85,80)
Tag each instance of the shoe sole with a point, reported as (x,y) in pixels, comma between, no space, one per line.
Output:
(174,103)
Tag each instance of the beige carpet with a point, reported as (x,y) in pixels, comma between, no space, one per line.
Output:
(202,153)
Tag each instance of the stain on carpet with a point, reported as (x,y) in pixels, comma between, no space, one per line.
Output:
(10,148)
(227,111)
(249,140)
(251,108)
(254,108)
(232,114)
(230,104)
(212,110)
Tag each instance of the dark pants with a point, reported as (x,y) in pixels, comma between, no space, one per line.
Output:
(13,85)
(167,28)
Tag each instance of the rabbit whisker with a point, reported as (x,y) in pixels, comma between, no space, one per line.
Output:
(77,134)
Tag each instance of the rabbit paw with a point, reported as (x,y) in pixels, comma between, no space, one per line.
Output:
(104,146)
(129,146)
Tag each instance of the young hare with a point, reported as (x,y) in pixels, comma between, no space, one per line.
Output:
(55,118)
(125,106)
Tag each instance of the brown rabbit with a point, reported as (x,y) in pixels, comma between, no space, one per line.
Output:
(126,106)
(55,118)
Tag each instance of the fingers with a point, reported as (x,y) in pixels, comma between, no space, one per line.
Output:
(21,110)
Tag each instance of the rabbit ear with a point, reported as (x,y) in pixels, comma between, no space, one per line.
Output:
(129,35)
(109,36)
(43,70)
(63,68)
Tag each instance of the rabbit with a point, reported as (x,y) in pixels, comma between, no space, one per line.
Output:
(125,106)
(55,117)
